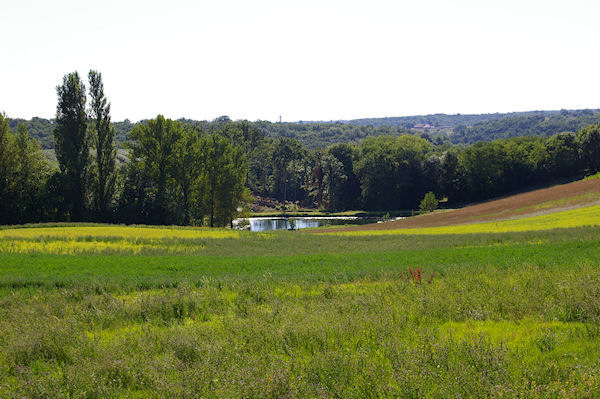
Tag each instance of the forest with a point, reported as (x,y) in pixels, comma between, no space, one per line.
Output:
(184,172)
(439,128)
(530,124)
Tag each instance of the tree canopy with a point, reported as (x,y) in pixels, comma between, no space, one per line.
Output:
(189,172)
(72,144)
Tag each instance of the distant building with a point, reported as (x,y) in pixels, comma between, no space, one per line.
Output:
(425,127)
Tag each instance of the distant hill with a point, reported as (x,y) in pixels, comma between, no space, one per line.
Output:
(468,129)
(323,134)
(312,135)
(41,130)
(38,128)
(530,124)
(437,120)
(457,129)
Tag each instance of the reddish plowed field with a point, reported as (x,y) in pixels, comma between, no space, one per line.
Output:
(564,196)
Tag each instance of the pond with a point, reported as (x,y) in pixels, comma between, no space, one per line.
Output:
(297,223)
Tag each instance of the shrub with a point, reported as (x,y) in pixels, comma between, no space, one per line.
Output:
(429,203)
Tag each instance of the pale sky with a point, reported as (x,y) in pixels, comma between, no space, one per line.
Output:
(303,60)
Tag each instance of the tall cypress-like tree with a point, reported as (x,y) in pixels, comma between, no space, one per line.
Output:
(103,141)
(71,143)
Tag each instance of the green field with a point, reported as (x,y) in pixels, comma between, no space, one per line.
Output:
(92,311)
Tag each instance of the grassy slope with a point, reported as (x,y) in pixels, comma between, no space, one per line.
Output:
(556,198)
(298,315)
(584,216)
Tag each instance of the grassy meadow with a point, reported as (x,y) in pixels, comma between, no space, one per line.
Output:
(94,311)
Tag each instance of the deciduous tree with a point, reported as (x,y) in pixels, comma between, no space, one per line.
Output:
(8,169)
(153,149)
(589,142)
(185,170)
(222,183)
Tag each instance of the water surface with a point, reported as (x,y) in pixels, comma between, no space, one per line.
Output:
(298,223)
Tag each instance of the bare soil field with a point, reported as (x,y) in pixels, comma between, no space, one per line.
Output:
(547,200)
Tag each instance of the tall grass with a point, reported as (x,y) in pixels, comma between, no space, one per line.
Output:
(301,315)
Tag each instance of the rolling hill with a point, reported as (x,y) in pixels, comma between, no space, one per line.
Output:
(563,197)
(440,128)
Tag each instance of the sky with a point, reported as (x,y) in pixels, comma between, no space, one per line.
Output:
(303,60)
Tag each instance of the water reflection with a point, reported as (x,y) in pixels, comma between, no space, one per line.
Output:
(297,223)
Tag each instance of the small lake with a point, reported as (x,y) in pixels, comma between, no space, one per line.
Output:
(298,223)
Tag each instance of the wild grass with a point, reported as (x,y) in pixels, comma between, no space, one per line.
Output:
(284,314)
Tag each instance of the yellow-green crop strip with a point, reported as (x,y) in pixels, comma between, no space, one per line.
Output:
(586,216)
(73,240)
(146,232)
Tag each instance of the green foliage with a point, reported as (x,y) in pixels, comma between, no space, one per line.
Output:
(484,163)
(177,176)
(429,203)
(459,129)
(347,193)
(435,120)
(23,174)
(33,172)
(8,167)
(103,141)
(589,142)
(185,171)
(72,143)
(318,135)
(284,152)
(222,179)
(541,123)
(40,129)
(563,155)
(153,153)
(334,179)
(172,173)
(389,170)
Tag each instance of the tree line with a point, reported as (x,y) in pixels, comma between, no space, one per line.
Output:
(176,174)
(394,173)
(454,129)
(189,173)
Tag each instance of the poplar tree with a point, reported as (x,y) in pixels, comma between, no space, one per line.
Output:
(103,140)
(71,143)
